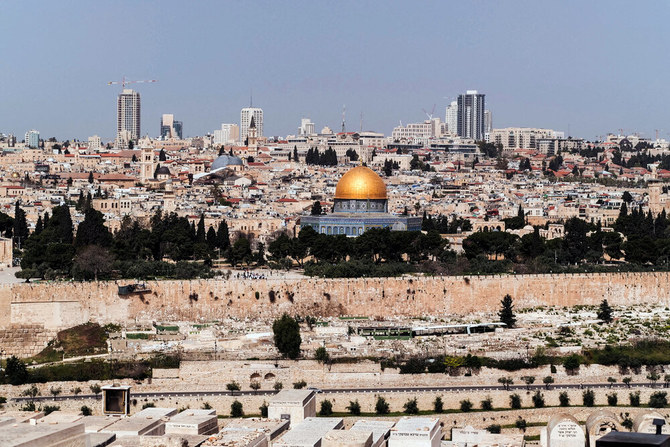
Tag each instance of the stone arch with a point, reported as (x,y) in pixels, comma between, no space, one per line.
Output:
(255,376)
(270,376)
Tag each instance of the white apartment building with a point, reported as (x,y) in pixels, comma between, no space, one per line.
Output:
(512,138)
(94,143)
(32,139)
(451,118)
(432,128)
(245,120)
(228,134)
(306,127)
(128,115)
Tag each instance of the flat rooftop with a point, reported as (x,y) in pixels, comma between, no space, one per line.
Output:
(271,427)
(410,425)
(235,437)
(292,397)
(379,429)
(309,432)
(42,435)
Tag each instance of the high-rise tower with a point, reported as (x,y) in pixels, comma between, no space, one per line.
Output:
(451,118)
(471,115)
(128,116)
(245,121)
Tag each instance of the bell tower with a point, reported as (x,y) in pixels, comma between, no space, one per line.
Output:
(252,135)
(146,164)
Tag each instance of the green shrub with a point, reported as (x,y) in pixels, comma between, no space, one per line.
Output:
(612,399)
(466,405)
(494,428)
(411,407)
(48,409)
(538,399)
(326,408)
(515,401)
(85,411)
(381,407)
(487,404)
(236,410)
(634,399)
(564,399)
(589,398)
(438,405)
(658,399)
(354,407)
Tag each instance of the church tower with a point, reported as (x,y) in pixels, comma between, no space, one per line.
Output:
(147,164)
(252,135)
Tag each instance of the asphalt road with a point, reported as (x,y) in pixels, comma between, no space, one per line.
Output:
(418,389)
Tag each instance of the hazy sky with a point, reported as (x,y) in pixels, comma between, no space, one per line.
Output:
(595,66)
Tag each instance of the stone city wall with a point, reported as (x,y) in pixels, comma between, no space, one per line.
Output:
(57,306)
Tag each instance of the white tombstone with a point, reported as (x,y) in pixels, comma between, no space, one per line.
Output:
(563,430)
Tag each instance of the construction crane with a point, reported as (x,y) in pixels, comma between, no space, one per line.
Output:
(125,82)
(432,112)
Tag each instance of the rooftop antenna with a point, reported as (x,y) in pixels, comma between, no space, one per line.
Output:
(361,129)
(251,98)
(344,112)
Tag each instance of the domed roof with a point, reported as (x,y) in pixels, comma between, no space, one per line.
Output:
(225,160)
(163,170)
(361,183)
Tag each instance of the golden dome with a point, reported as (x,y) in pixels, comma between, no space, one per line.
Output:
(361,183)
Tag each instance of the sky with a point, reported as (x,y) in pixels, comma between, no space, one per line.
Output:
(584,67)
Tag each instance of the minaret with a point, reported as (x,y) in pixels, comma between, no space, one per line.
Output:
(147,163)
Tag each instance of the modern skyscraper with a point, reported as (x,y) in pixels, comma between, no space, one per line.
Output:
(128,115)
(488,121)
(170,128)
(471,115)
(245,120)
(451,118)
(33,139)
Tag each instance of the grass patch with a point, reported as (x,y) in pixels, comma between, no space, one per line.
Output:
(85,339)
(160,328)
(137,336)
(392,337)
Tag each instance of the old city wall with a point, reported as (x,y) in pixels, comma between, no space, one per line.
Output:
(60,305)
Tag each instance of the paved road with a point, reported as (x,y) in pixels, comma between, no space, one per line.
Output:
(418,389)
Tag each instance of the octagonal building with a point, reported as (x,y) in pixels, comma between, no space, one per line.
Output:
(361,203)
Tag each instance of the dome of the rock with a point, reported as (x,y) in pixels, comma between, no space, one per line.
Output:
(361,183)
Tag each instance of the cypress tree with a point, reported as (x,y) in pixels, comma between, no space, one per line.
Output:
(20,225)
(506,313)
(222,236)
(200,235)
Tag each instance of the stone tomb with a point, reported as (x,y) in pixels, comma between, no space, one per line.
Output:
(598,424)
(468,436)
(644,423)
(416,432)
(563,430)
(293,405)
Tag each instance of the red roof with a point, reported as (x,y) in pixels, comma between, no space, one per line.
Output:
(285,200)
